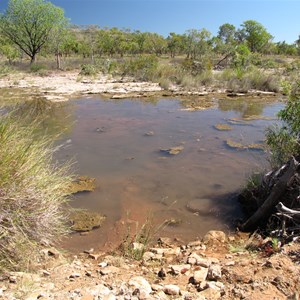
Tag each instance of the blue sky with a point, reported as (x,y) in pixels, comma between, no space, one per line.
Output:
(280,17)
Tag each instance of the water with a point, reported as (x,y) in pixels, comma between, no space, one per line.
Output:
(119,142)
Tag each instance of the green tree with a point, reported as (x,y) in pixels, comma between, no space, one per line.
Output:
(29,24)
(227,33)
(8,50)
(255,35)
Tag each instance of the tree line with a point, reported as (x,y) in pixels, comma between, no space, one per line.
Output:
(34,27)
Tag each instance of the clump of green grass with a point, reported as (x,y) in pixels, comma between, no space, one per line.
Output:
(32,194)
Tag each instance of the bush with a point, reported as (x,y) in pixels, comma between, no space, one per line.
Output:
(142,68)
(36,68)
(32,194)
(88,70)
(284,141)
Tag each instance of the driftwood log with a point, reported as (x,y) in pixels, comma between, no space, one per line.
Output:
(278,190)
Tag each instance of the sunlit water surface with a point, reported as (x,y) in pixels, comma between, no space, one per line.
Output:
(119,142)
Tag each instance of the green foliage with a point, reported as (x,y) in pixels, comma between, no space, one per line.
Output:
(88,70)
(29,24)
(142,67)
(255,35)
(32,194)
(36,68)
(284,140)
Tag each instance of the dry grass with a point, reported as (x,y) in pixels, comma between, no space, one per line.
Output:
(32,194)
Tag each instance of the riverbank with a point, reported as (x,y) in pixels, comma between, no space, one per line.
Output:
(216,267)
(61,86)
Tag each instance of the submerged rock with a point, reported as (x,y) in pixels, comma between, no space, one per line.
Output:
(83,220)
(234,145)
(239,146)
(172,150)
(223,127)
(82,184)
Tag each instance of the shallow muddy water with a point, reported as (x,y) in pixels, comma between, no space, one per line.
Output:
(119,142)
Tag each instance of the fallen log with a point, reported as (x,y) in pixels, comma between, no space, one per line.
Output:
(265,210)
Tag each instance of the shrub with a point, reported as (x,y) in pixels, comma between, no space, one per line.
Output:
(284,140)
(142,68)
(36,68)
(88,70)
(32,194)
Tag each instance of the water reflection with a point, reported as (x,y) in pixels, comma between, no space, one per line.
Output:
(53,118)
(244,107)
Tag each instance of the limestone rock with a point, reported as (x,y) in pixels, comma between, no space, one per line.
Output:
(199,276)
(140,283)
(171,289)
(214,236)
(214,272)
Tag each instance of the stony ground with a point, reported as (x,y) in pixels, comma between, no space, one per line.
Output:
(217,267)
(61,86)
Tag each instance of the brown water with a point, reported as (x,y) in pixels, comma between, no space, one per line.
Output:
(136,180)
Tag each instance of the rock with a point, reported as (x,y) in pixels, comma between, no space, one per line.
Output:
(195,259)
(201,206)
(83,220)
(94,256)
(162,273)
(138,246)
(149,133)
(147,256)
(161,296)
(171,289)
(211,294)
(109,270)
(199,276)
(235,145)
(214,272)
(173,150)
(46,273)
(82,184)
(12,279)
(179,269)
(74,275)
(103,264)
(140,283)
(214,236)
(223,127)
(165,241)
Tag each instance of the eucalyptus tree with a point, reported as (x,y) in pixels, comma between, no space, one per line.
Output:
(8,50)
(255,35)
(155,44)
(30,23)
(175,44)
(197,42)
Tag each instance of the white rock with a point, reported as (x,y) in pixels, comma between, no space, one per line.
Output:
(103,264)
(171,289)
(200,275)
(214,236)
(214,272)
(139,282)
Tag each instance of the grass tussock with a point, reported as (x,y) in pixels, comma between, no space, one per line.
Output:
(32,194)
